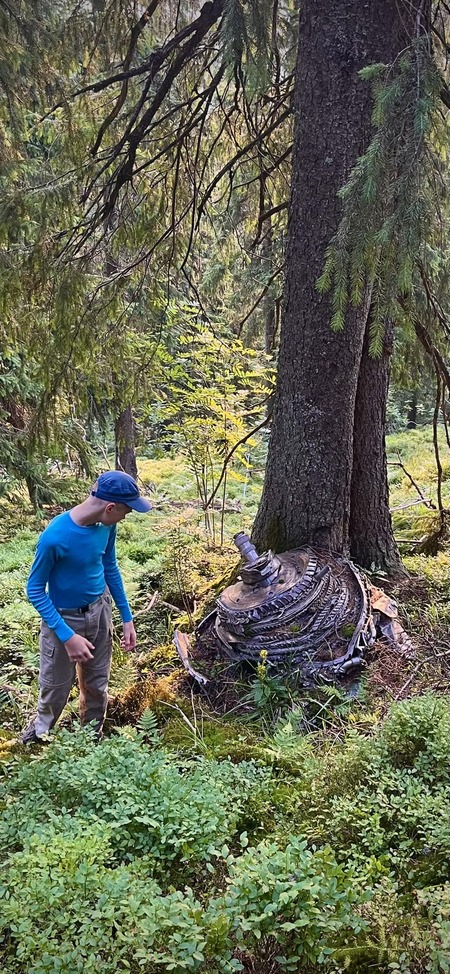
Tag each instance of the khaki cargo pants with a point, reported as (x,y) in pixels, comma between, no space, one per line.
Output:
(57,672)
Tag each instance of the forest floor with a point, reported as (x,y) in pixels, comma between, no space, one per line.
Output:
(345,789)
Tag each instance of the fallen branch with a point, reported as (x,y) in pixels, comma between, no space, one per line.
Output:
(183,645)
(428,659)
(403,507)
(157,597)
(149,607)
(408,540)
(399,463)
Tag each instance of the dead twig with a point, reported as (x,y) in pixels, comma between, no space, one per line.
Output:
(428,659)
(149,607)
(399,463)
(244,439)
(403,507)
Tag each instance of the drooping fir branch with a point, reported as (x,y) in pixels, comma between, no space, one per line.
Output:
(175,104)
(388,206)
(243,151)
(136,32)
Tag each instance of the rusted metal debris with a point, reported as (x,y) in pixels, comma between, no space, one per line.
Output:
(183,645)
(307,610)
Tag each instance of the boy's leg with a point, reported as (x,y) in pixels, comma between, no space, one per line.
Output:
(93,676)
(56,677)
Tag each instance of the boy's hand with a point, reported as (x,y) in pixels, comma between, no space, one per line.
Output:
(78,649)
(128,641)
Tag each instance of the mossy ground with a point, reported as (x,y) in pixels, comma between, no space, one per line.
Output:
(173,568)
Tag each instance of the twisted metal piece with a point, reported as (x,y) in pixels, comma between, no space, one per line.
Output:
(306,606)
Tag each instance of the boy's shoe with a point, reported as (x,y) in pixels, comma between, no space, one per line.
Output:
(29,736)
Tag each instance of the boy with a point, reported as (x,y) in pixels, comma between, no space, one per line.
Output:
(72,579)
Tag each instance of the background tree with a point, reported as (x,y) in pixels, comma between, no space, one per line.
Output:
(85,293)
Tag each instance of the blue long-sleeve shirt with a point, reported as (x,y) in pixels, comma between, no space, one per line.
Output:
(71,568)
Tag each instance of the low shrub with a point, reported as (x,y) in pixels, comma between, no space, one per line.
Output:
(298,899)
(151,804)
(416,735)
(102,846)
(383,801)
(394,823)
(65,911)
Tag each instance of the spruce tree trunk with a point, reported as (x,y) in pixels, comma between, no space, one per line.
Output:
(307,490)
(125,432)
(372,542)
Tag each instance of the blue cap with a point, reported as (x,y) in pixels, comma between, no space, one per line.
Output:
(119,488)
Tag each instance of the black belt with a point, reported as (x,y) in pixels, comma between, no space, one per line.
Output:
(81,611)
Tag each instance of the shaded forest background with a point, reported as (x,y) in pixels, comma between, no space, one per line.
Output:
(148,170)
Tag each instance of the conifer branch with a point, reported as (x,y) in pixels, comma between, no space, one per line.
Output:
(135,34)
(239,155)
(261,295)
(135,130)
(267,215)
(268,170)
(209,14)
(10,11)
(94,215)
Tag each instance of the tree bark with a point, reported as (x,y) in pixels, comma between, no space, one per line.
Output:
(19,462)
(125,432)
(307,490)
(268,304)
(411,419)
(372,542)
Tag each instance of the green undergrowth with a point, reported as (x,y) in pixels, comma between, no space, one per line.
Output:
(285,853)
(412,478)
(277,830)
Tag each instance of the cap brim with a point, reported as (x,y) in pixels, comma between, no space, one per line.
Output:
(141,505)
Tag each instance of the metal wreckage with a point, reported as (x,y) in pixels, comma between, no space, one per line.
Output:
(312,612)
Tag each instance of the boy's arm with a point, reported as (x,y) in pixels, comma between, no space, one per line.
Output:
(44,560)
(114,582)
(113,577)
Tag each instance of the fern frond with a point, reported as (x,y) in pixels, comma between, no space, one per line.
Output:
(148,725)
(123,676)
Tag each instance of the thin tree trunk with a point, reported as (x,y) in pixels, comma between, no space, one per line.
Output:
(411,419)
(20,462)
(372,542)
(269,299)
(125,431)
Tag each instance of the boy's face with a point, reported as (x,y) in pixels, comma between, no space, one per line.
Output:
(113,513)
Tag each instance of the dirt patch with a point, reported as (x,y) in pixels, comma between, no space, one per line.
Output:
(227,681)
